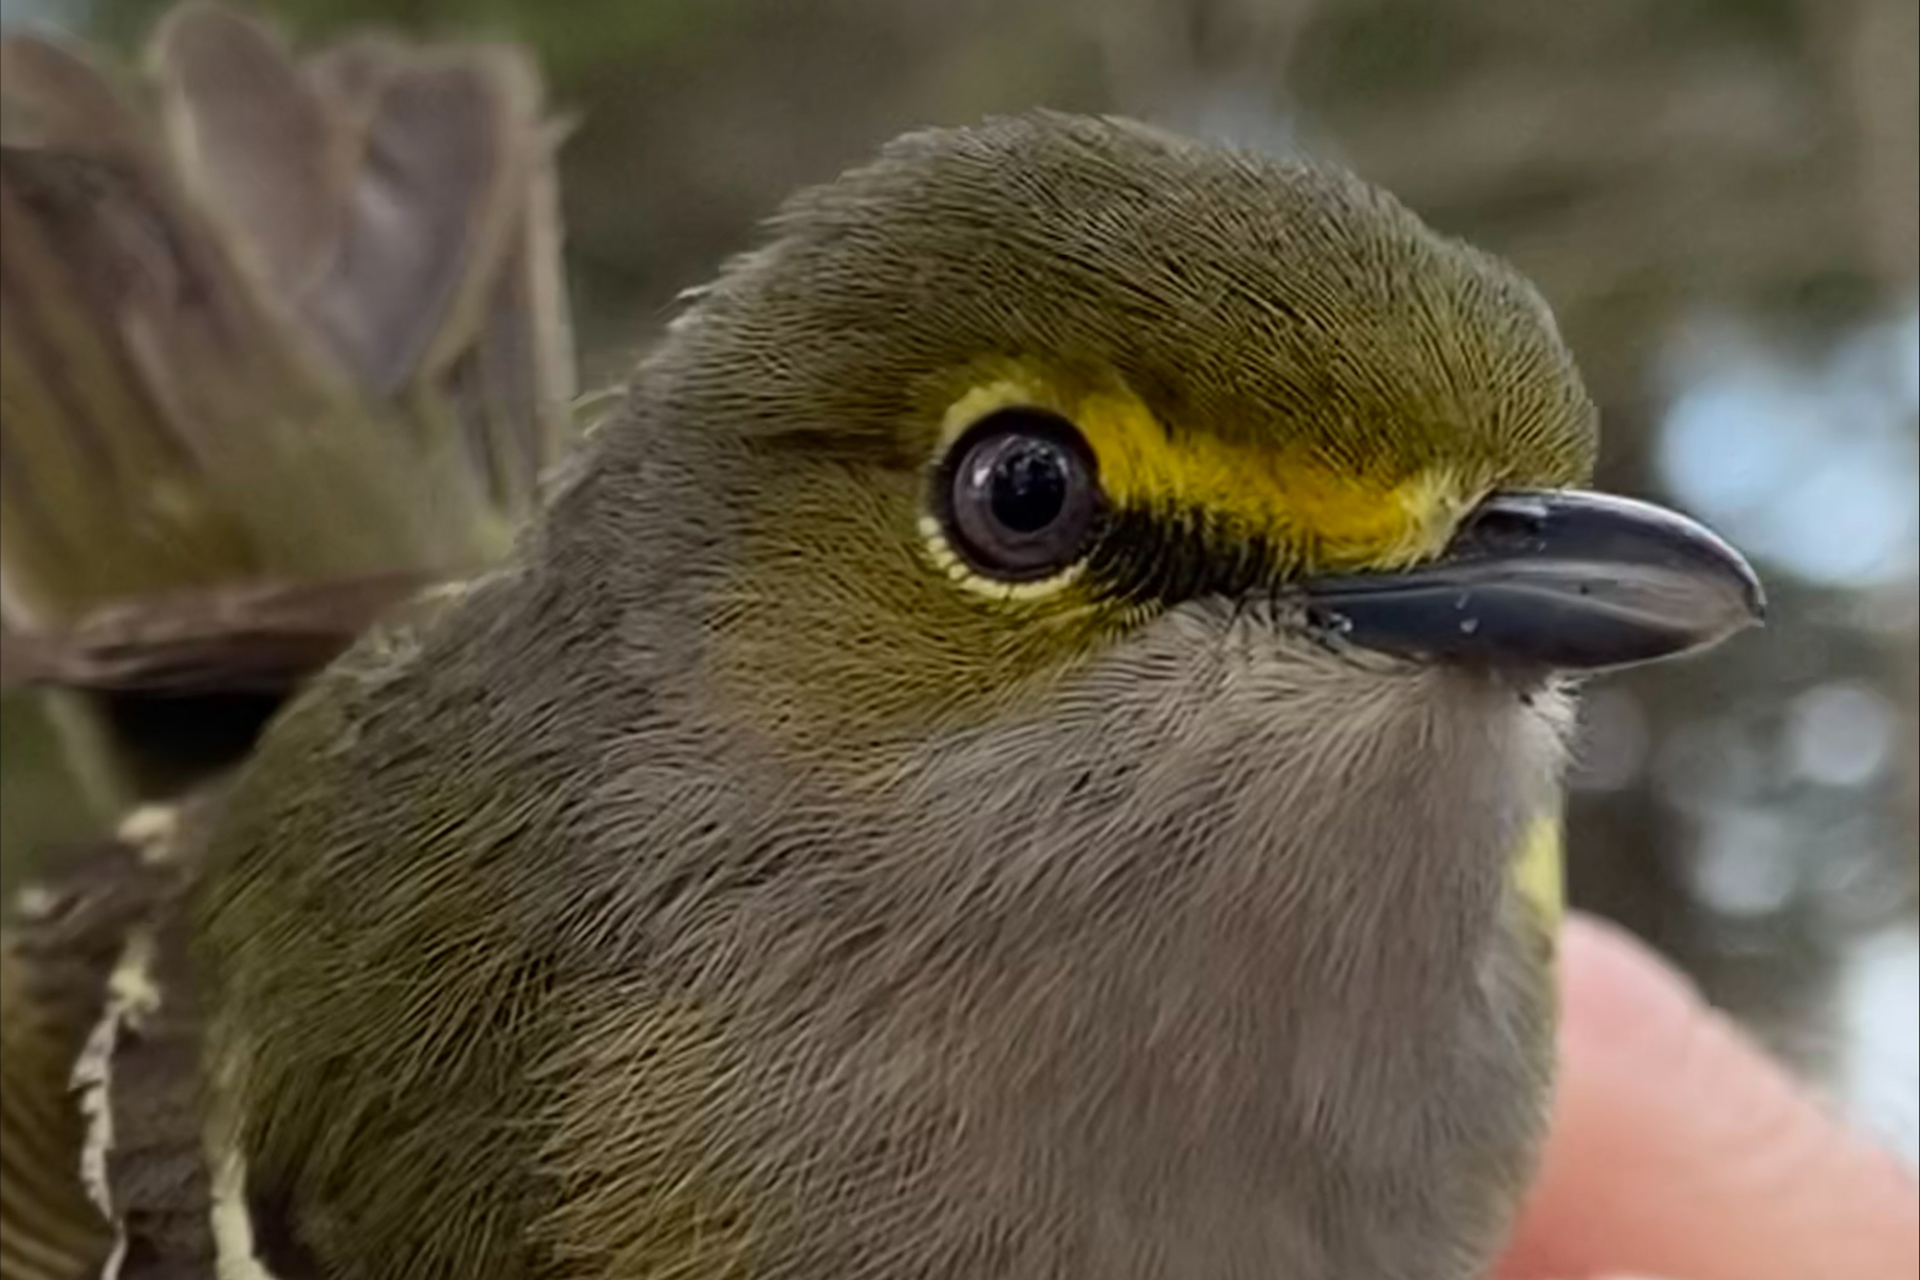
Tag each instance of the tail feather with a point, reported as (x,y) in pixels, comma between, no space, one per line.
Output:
(255,140)
(309,327)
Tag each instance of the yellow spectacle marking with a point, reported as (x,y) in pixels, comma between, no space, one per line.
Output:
(1309,513)
(1538,872)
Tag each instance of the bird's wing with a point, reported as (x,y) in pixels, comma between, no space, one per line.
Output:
(234,639)
(101,1170)
(101,1127)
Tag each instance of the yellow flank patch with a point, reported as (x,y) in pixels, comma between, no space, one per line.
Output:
(1538,873)
(1311,514)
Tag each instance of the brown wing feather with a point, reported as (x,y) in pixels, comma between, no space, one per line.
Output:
(49,1230)
(99,1040)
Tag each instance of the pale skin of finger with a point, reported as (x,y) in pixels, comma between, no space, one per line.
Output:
(1679,1150)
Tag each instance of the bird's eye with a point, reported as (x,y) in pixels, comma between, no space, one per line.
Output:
(1018,495)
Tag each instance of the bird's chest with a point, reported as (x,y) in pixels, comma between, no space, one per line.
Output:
(1240,1006)
(1207,1134)
(1190,1113)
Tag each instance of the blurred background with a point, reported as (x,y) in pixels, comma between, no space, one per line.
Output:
(1717,196)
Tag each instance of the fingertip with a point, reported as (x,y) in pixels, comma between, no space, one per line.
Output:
(1621,995)
(1678,1148)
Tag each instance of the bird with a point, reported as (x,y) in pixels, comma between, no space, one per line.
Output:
(1029,747)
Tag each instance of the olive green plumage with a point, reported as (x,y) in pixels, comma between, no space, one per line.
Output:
(905,810)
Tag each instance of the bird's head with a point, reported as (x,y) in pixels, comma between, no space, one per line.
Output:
(987,409)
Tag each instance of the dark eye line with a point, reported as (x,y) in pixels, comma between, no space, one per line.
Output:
(1164,555)
(1154,556)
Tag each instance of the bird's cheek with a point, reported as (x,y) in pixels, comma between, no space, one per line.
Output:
(830,671)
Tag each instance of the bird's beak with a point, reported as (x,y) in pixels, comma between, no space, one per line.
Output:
(1556,579)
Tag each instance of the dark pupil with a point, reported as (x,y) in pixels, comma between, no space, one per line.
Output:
(1029,486)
